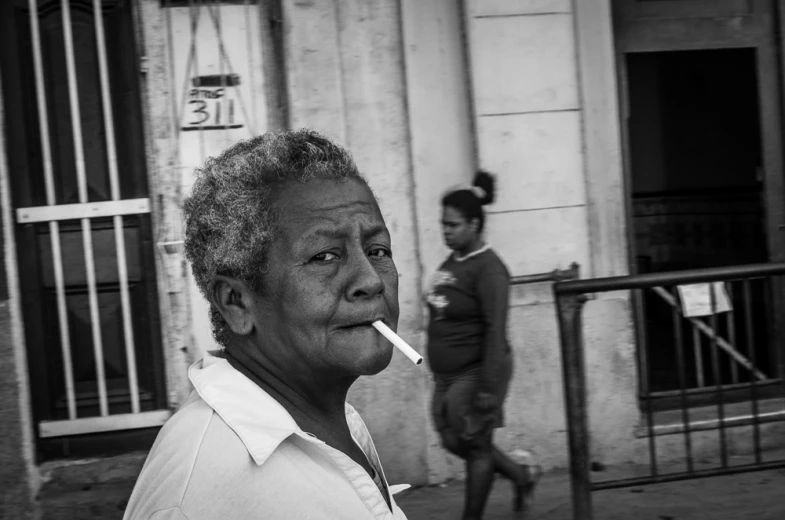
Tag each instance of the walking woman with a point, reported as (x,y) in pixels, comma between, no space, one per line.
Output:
(468,349)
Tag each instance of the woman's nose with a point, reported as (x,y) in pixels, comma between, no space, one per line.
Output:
(365,280)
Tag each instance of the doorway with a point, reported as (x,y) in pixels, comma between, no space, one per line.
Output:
(697,192)
(701,90)
(85,250)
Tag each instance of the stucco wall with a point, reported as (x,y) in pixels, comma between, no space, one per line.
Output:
(531,132)
(19,479)
(16,473)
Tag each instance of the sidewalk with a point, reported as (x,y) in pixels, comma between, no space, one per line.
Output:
(100,490)
(758,496)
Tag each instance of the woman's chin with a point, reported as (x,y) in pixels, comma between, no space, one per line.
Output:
(376,362)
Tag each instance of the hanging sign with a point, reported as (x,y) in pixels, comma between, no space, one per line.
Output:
(212,103)
(696,299)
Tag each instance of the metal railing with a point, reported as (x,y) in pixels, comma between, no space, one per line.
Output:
(570,297)
(557,275)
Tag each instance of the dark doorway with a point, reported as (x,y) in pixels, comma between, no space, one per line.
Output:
(697,189)
(696,159)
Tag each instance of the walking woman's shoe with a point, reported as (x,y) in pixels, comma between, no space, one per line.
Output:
(524,490)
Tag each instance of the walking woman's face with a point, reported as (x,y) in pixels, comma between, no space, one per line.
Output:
(458,232)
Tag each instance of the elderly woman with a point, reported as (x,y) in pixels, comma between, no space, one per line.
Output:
(289,246)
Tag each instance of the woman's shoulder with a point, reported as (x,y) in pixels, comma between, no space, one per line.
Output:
(490,262)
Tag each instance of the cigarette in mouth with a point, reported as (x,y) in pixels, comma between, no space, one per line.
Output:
(396,340)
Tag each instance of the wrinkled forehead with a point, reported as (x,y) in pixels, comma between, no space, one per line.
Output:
(326,202)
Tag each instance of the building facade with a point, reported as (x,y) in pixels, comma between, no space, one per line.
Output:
(100,317)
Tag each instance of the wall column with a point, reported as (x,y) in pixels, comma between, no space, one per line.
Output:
(19,478)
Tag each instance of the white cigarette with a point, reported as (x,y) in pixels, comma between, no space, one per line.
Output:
(396,340)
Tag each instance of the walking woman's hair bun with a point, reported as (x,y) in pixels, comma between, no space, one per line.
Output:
(484,187)
(469,200)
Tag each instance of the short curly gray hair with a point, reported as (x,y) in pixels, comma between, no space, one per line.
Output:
(229,217)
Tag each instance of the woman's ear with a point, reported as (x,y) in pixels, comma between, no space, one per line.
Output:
(234,300)
(475,223)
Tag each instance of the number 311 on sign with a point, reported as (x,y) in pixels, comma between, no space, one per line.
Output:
(211,103)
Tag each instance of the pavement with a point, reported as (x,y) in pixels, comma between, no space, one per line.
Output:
(758,496)
(99,489)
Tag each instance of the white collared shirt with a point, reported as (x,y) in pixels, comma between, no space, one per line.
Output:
(233,452)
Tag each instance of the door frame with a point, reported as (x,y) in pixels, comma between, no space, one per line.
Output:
(767,41)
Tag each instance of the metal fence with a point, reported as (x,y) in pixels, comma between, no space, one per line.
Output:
(725,362)
(557,275)
(86,210)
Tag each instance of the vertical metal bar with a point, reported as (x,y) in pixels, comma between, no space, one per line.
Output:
(570,331)
(682,373)
(642,349)
(731,323)
(87,238)
(698,351)
(114,184)
(54,227)
(753,380)
(715,362)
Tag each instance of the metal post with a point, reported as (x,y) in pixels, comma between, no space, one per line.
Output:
(569,309)
(676,313)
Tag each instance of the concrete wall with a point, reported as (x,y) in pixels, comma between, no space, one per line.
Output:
(442,144)
(19,479)
(530,108)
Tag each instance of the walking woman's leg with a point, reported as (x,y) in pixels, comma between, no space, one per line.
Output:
(480,468)
(523,477)
(452,443)
(505,466)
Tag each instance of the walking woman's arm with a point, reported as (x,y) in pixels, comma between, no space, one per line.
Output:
(493,291)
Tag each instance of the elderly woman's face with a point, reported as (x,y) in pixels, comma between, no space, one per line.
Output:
(331,274)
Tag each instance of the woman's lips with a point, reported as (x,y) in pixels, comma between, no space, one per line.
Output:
(364,323)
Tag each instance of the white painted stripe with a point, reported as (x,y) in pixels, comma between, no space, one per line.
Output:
(126,421)
(80,211)
(54,230)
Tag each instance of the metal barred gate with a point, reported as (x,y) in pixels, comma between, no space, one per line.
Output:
(73,74)
(730,352)
(76,152)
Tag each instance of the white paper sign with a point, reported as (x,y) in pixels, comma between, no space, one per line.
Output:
(696,299)
(213,104)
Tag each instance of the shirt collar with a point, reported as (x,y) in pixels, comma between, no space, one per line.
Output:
(258,419)
(472,254)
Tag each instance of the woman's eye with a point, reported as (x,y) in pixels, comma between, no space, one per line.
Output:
(380,252)
(325,257)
